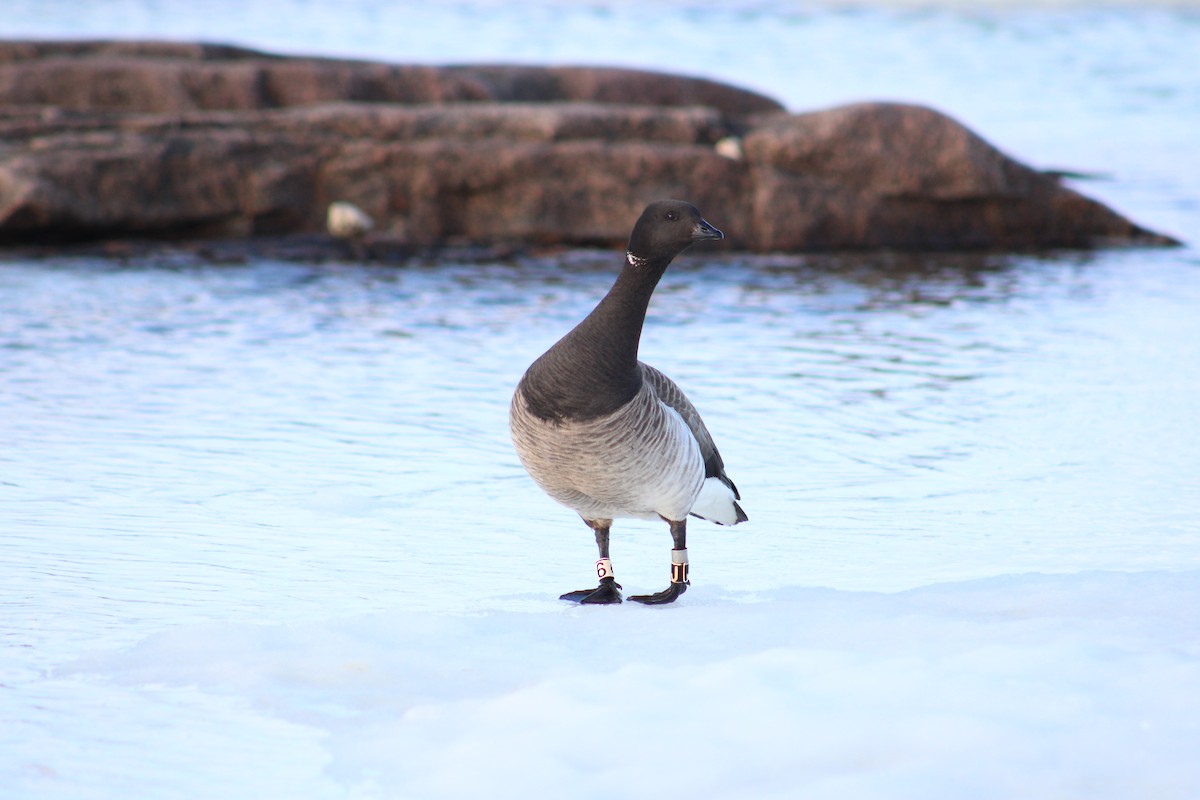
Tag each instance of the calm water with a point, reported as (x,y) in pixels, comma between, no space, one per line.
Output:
(196,442)
(183,442)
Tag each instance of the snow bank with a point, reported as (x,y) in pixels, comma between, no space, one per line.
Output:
(1034,686)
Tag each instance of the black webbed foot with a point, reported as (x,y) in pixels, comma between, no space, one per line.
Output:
(667,595)
(608,592)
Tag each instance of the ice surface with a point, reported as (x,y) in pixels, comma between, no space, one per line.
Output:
(1032,686)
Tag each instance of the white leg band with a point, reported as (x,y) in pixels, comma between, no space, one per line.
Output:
(679,566)
(604,569)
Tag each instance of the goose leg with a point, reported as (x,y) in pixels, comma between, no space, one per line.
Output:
(679,569)
(609,591)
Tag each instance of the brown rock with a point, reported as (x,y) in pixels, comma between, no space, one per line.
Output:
(618,86)
(578,192)
(169,86)
(114,139)
(888,149)
(17,51)
(564,173)
(901,176)
(165,77)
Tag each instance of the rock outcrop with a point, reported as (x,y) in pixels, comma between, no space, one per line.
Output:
(124,139)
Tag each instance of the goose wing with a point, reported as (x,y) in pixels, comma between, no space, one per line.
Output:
(669,392)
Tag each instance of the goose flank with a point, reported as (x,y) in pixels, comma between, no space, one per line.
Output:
(608,436)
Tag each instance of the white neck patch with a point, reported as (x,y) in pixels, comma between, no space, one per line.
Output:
(636,261)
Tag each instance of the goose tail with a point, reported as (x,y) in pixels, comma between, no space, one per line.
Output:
(718,502)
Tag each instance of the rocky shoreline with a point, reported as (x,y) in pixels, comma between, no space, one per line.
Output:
(110,141)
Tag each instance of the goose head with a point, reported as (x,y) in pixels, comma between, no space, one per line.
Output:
(667,228)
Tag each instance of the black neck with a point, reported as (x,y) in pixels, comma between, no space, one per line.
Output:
(593,370)
(617,319)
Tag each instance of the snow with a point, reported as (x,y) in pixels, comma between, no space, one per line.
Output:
(1033,686)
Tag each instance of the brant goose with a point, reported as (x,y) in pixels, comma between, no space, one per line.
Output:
(608,436)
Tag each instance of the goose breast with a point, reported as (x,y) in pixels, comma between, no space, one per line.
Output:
(639,461)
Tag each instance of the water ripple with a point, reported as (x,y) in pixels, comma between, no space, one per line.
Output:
(216,438)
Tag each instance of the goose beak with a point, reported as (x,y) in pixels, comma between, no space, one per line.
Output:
(705,231)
